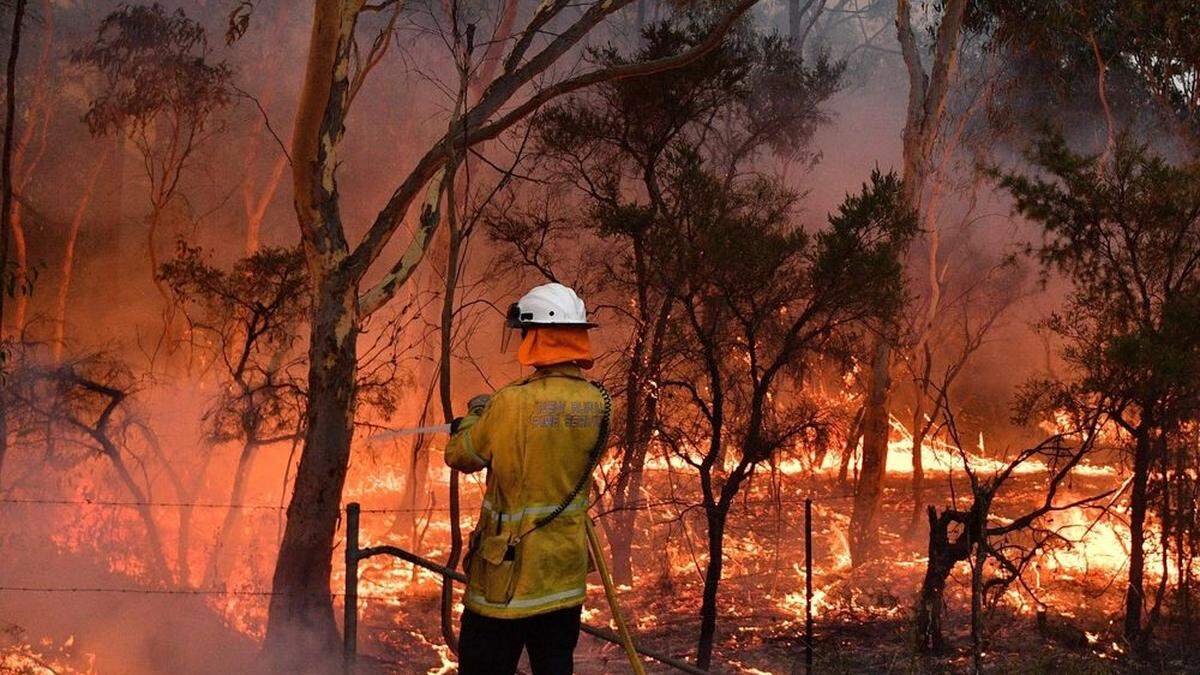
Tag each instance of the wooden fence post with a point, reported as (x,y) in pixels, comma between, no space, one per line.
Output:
(350,621)
(808,595)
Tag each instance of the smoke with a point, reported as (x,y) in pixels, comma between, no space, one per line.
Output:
(114,308)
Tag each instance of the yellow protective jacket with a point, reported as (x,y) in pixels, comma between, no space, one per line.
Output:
(534,438)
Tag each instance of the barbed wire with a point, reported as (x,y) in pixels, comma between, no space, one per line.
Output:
(635,505)
(112,503)
(199,505)
(168,591)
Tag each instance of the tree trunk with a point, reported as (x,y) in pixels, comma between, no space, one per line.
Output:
(255,204)
(1134,592)
(227,541)
(153,223)
(628,487)
(712,580)
(621,532)
(446,331)
(868,493)
(300,627)
(941,563)
(415,494)
(182,495)
(851,447)
(68,262)
(20,271)
(6,185)
(641,411)
(918,465)
(980,558)
(158,560)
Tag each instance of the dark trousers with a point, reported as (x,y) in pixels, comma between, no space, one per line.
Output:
(488,646)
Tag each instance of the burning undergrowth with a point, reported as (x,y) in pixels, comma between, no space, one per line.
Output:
(1067,603)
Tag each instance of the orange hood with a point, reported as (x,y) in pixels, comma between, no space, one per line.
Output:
(549,346)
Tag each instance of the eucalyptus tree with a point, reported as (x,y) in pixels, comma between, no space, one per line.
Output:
(159,87)
(1124,230)
(351,280)
(617,150)
(761,298)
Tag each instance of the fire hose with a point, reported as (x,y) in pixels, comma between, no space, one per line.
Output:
(610,592)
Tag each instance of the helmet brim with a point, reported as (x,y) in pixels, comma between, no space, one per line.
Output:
(534,324)
(512,319)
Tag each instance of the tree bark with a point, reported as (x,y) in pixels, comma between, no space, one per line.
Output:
(641,417)
(1138,502)
(851,447)
(446,333)
(943,556)
(301,624)
(255,204)
(927,97)
(868,493)
(38,115)
(712,581)
(58,344)
(6,198)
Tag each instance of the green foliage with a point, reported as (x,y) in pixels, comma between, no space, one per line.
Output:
(1126,234)
(859,255)
(1150,51)
(153,65)
(750,93)
(246,321)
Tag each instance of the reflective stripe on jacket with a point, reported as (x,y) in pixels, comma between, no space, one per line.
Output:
(534,438)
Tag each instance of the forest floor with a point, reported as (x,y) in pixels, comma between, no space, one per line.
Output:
(863,617)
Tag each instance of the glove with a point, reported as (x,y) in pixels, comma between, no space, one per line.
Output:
(477,403)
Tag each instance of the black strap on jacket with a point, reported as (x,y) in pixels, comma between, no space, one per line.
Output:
(593,459)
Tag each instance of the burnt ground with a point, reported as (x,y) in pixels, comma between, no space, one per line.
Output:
(864,618)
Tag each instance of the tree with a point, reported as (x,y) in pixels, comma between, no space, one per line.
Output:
(616,149)
(1122,62)
(301,610)
(760,298)
(67,267)
(27,153)
(248,318)
(6,195)
(87,402)
(1125,232)
(1011,543)
(927,99)
(960,290)
(159,89)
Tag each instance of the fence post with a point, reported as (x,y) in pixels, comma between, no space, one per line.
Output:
(808,619)
(350,620)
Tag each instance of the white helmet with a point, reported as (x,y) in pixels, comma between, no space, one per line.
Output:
(548,305)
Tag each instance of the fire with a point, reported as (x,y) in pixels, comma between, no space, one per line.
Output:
(1102,544)
(763,578)
(44,659)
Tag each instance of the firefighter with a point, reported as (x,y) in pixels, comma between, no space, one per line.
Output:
(539,439)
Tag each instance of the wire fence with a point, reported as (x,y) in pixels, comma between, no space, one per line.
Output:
(637,504)
(354,554)
(169,591)
(194,505)
(107,503)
